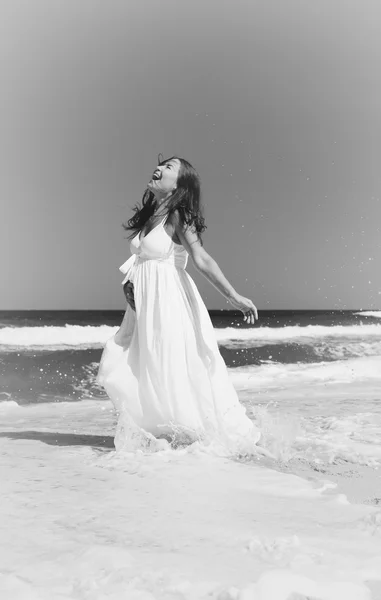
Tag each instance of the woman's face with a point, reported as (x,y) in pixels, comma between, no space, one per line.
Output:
(164,178)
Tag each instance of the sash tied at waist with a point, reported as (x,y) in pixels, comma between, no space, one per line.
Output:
(129,267)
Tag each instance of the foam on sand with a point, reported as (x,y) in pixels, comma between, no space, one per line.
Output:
(81,521)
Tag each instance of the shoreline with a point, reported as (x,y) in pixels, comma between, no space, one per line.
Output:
(361,484)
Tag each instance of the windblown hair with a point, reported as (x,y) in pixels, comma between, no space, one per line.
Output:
(185,199)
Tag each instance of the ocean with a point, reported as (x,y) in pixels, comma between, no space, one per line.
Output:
(311,379)
(301,519)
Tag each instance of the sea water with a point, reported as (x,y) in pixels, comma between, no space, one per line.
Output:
(311,381)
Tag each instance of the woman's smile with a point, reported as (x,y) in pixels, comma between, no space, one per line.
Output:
(164,178)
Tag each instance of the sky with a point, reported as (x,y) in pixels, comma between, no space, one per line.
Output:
(276,103)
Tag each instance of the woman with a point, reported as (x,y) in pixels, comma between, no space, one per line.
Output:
(163,369)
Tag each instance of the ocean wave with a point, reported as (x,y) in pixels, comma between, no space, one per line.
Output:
(84,336)
(341,350)
(95,336)
(230,335)
(278,375)
(322,413)
(370,313)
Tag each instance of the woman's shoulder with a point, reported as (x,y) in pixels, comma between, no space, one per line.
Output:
(171,225)
(174,217)
(178,221)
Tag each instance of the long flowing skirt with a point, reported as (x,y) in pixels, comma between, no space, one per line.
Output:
(163,369)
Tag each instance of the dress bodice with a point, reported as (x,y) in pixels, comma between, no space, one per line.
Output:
(155,245)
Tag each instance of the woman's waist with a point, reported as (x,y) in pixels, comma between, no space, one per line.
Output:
(174,260)
(136,260)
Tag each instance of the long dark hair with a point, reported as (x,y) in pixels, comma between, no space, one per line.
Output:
(185,199)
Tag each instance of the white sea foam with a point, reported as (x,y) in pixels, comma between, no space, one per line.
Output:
(336,348)
(253,336)
(370,313)
(278,375)
(323,412)
(62,337)
(8,405)
(93,336)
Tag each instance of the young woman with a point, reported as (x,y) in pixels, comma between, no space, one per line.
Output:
(162,369)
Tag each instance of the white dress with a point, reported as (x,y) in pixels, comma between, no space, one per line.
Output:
(162,369)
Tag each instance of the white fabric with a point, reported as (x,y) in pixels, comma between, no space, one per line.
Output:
(163,370)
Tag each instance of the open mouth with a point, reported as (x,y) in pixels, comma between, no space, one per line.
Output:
(156,176)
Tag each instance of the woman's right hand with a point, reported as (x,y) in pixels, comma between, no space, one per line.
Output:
(247,307)
(128,290)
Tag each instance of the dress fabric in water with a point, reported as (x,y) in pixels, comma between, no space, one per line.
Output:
(163,370)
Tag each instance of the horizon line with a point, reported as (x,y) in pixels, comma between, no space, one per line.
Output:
(215,310)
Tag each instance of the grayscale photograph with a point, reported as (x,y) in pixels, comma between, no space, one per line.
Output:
(190,300)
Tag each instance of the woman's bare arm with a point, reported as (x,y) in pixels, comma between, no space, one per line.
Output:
(206,265)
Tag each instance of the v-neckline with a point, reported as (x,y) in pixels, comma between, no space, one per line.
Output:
(150,231)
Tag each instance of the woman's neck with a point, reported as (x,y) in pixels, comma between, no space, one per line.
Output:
(160,200)
(161,204)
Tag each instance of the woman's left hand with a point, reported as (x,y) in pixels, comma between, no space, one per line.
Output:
(247,307)
(128,289)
